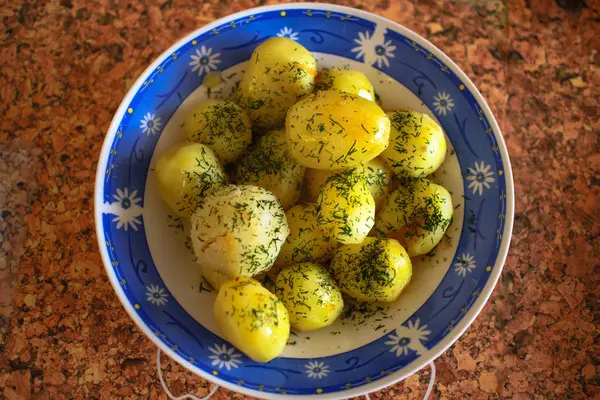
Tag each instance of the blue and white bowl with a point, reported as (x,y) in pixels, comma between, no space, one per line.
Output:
(153,272)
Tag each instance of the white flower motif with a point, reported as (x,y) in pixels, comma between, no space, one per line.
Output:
(443,103)
(224,357)
(316,369)
(150,124)
(465,264)
(156,295)
(126,209)
(204,61)
(287,32)
(373,48)
(480,176)
(408,337)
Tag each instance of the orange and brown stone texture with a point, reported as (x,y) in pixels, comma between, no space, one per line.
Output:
(64,68)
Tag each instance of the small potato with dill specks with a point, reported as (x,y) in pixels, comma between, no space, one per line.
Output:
(417,214)
(186,174)
(346,206)
(332,130)
(253,319)
(238,230)
(279,73)
(377,175)
(417,144)
(376,270)
(222,125)
(268,164)
(308,240)
(345,80)
(310,295)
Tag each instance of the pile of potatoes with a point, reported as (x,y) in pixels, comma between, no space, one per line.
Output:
(325,196)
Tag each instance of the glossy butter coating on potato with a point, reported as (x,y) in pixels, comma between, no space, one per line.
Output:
(332,130)
(279,73)
(186,174)
(376,270)
(253,319)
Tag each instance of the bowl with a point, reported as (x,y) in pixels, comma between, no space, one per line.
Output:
(146,252)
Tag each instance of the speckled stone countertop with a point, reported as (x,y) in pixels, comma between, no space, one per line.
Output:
(65,66)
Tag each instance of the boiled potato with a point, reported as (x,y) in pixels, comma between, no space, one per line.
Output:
(417,214)
(279,72)
(310,295)
(186,174)
(222,125)
(253,319)
(379,180)
(376,270)
(417,144)
(238,230)
(345,80)
(378,177)
(213,277)
(332,130)
(308,240)
(346,206)
(268,164)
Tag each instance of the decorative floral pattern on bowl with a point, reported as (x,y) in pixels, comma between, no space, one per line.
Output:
(402,56)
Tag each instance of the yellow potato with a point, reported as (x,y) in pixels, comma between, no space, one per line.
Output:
(253,319)
(186,174)
(346,206)
(345,80)
(417,214)
(279,72)
(332,130)
(378,177)
(222,125)
(238,230)
(310,295)
(214,278)
(417,144)
(376,270)
(379,180)
(308,240)
(268,164)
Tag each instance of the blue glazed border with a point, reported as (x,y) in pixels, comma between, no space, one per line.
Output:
(334,33)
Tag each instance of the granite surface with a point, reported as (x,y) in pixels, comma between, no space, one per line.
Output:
(65,66)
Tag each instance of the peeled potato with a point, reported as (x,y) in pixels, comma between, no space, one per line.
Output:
(308,240)
(279,72)
(376,270)
(345,80)
(332,130)
(377,175)
(346,206)
(213,277)
(186,174)
(417,144)
(310,295)
(253,319)
(238,230)
(268,164)
(222,125)
(417,214)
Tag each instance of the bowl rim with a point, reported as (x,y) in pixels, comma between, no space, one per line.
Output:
(420,362)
